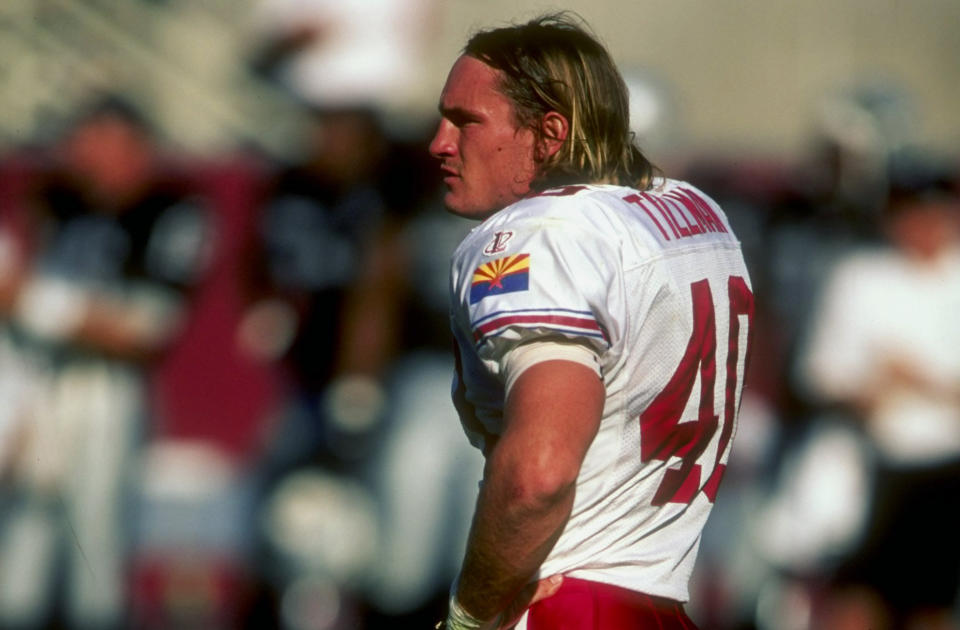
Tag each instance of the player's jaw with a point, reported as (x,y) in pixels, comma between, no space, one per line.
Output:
(463,200)
(467,198)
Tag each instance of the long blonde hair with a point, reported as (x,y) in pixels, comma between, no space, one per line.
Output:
(553,63)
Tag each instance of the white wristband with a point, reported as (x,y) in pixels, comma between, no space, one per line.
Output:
(459,619)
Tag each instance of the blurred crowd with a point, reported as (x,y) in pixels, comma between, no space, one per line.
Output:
(224,380)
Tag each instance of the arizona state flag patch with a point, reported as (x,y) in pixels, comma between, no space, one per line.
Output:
(503,275)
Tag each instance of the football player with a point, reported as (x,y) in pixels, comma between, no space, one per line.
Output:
(601,314)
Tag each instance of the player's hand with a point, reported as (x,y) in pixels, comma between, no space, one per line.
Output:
(530,595)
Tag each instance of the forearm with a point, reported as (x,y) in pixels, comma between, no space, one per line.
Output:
(552,414)
(133,324)
(512,534)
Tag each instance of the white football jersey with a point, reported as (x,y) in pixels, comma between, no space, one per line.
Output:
(654,284)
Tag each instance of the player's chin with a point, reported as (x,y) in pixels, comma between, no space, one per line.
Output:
(468,206)
(455,203)
(457,211)
(450,202)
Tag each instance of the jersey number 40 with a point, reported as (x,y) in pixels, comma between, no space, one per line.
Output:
(665,434)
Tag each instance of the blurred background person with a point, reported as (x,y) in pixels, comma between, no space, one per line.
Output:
(115,248)
(347,295)
(883,349)
(324,286)
(324,282)
(334,54)
(352,262)
(805,468)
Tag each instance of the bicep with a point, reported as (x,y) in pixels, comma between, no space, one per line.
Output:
(552,415)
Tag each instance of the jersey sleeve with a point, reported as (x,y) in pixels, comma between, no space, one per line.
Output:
(552,284)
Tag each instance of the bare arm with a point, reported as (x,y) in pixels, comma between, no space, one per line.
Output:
(125,329)
(551,417)
(902,374)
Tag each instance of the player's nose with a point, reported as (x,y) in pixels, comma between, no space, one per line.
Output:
(443,144)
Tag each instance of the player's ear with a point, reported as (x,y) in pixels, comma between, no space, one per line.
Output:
(554,129)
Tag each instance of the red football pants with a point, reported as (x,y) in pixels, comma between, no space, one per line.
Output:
(583,605)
